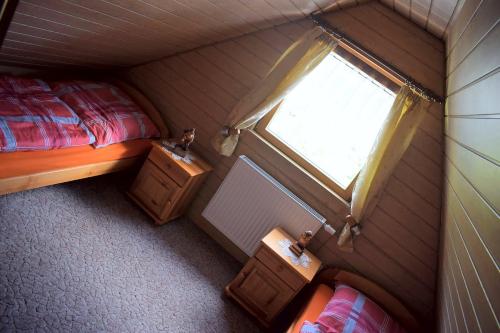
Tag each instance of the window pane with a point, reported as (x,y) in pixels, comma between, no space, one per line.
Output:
(332,118)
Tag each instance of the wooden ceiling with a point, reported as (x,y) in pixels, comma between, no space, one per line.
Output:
(107,33)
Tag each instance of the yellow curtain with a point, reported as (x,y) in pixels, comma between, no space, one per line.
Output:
(298,61)
(392,141)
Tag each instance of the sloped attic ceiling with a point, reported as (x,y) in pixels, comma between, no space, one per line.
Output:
(128,32)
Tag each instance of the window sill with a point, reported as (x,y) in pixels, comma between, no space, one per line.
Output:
(304,172)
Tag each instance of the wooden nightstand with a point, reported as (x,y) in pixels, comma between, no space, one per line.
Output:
(165,185)
(270,280)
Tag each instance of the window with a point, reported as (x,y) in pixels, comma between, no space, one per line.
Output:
(329,121)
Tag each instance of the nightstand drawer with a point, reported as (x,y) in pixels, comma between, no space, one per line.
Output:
(170,167)
(262,290)
(268,258)
(154,189)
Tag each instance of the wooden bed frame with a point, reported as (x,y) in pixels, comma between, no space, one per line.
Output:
(21,171)
(376,293)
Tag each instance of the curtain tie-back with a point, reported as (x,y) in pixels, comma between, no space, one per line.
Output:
(228,131)
(350,229)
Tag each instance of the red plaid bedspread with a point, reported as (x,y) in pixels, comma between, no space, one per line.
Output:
(39,121)
(19,85)
(106,110)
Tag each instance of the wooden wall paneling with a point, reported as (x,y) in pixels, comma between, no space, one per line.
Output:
(454,267)
(258,45)
(230,66)
(424,188)
(295,30)
(392,206)
(224,81)
(479,25)
(386,48)
(414,202)
(200,119)
(428,146)
(306,6)
(476,207)
(420,10)
(482,60)
(248,14)
(205,24)
(36,31)
(487,269)
(190,97)
(177,26)
(471,200)
(152,28)
(326,5)
(405,238)
(84,37)
(432,122)
(403,7)
(405,258)
(28,43)
(235,51)
(460,22)
(426,53)
(476,99)
(480,134)
(266,10)
(414,30)
(486,182)
(440,14)
(35,9)
(423,165)
(78,16)
(454,300)
(202,82)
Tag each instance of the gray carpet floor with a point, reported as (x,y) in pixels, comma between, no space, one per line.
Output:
(80,257)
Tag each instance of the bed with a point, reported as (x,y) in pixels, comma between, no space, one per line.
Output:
(323,291)
(23,170)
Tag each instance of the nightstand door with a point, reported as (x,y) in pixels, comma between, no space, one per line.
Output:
(261,289)
(155,189)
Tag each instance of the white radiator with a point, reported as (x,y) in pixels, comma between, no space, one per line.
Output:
(249,203)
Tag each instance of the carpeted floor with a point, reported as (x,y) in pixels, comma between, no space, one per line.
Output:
(80,257)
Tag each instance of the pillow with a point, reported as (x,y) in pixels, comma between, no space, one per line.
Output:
(106,110)
(351,311)
(11,85)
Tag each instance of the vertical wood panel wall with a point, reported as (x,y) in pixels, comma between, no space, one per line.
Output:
(468,285)
(399,244)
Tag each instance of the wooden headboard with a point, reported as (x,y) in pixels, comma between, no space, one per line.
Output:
(376,293)
(145,105)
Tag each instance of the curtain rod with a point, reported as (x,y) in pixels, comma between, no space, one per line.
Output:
(407,80)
